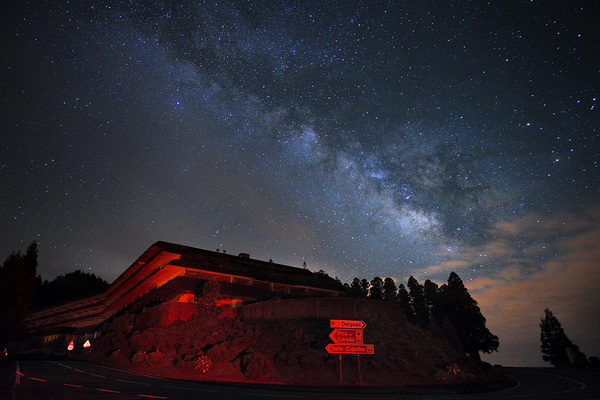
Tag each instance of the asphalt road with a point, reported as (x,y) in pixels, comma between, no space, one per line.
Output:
(40,380)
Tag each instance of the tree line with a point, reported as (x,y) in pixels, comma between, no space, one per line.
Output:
(449,308)
(22,290)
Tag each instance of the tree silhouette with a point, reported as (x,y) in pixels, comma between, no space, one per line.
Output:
(17,286)
(376,289)
(417,299)
(64,288)
(465,316)
(364,288)
(355,290)
(557,348)
(404,301)
(390,291)
(433,301)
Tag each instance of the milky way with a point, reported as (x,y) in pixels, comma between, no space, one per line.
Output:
(363,138)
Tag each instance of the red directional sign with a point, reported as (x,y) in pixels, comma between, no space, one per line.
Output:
(344,323)
(350,348)
(347,336)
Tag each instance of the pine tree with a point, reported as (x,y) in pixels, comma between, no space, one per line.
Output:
(355,289)
(432,299)
(364,288)
(390,291)
(465,316)
(17,286)
(417,299)
(557,348)
(376,289)
(404,301)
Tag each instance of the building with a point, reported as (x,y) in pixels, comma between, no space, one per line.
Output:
(172,273)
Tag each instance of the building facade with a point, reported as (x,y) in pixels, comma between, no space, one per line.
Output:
(172,273)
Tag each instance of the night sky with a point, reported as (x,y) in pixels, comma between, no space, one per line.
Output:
(365,138)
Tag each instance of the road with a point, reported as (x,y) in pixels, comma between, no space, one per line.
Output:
(41,380)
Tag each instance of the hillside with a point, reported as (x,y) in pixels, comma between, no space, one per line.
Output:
(221,345)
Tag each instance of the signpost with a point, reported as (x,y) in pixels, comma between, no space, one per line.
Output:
(347,337)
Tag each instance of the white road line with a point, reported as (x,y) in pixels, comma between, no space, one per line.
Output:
(194,389)
(152,397)
(581,384)
(274,395)
(134,382)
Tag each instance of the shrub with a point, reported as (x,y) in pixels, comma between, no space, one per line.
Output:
(154,358)
(139,358)
(452,374)
(257,366)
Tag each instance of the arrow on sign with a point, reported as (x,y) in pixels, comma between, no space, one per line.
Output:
(347,336)
(344,323)
(350,348)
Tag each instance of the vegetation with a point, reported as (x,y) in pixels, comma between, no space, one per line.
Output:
(557,348)
(65,288)
(17,286)
(449,308)
(22,290)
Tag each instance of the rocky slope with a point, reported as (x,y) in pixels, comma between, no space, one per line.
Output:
(215,345)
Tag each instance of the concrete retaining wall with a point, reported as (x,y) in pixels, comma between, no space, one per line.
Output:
(332,308)
(323,307)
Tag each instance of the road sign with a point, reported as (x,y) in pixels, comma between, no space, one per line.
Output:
(71,346)
(350,348)
(87,344)
(343,323)
(347,336)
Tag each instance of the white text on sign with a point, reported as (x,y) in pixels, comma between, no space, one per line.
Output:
(350,349)
(347,336)
(343,323)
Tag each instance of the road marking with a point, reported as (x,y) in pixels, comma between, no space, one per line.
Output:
(71,385)
(152,397)
(37,379)
(134,382)
(275,395)
(581,384)
(98,376)
(107,390)
(510,388)
(195,389)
